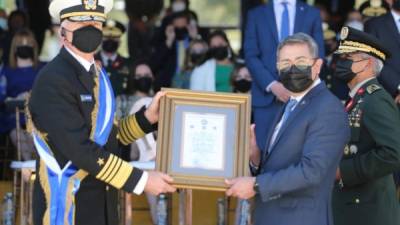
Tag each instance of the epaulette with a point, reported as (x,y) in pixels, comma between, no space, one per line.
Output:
(372,88)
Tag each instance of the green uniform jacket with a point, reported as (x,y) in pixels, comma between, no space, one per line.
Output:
(367,194)
(118,72)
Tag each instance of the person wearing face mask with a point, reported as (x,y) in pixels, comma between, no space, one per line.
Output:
(387,29)
(71,114)
(215,73)
(139,85)
(116,66)
(364,192)
(195,56)
(171,44)
(19,77)
(292,177)
(334,85)
(241,79)
(16,20)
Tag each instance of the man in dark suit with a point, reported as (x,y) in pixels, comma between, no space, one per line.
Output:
(365,193)
(267,26)
(294,174)
(387,29)
(71,119)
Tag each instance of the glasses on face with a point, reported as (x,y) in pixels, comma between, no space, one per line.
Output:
(300,63)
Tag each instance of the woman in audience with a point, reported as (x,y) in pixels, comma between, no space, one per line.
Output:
(140,85)
(195,56)
(19,77)
(215,73)
(241,78)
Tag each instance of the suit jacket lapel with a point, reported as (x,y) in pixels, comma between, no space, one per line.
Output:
(272,129)
(84,77)
(270,18)
(299,108)
(392,27)
(299,17)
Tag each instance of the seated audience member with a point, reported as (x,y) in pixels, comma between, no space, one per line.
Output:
(215,73)
(20,75)
(140,85)
(170,48)
(195,55)
(241,79)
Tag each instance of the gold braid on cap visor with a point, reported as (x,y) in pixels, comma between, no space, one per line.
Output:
(352,46)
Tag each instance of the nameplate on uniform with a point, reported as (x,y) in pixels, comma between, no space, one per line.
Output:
(86,98)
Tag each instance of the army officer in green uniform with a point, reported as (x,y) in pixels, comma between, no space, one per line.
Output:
(365,193)
(116,66)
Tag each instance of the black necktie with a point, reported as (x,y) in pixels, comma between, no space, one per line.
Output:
(92,70)
(109,63)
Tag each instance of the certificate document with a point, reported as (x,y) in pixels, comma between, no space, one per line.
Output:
(203,142)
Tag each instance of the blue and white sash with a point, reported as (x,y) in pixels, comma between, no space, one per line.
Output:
(61,184)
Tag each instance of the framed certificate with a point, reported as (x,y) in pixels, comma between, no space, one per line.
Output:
(203,138)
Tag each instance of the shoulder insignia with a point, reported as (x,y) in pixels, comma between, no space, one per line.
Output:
(372,88)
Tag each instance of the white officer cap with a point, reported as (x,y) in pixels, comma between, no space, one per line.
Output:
(80,10)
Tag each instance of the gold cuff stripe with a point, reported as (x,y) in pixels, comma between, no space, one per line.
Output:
(111,169)
(135,127)
(82,14)
(352,45)
(121,135)
(130,133)
(125,135)
(122,176)
(114,171)
(107,167)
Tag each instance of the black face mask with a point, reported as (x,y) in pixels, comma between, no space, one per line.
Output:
(296,79)
(219,53)
(343,70)
(110,46)
(87,39)
(24,52)
(181,33)
(143,84)
(242,85)
(396,5)
(197,58)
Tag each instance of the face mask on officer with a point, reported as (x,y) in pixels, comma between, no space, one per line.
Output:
(86,39)
(344,71)
(110,45)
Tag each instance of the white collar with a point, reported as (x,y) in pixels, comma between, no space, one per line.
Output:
(354,90)
(104,57)
(86,64)
(396,16)
(290,2)
(298,98)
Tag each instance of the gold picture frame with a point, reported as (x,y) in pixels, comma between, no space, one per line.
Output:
(226,126)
